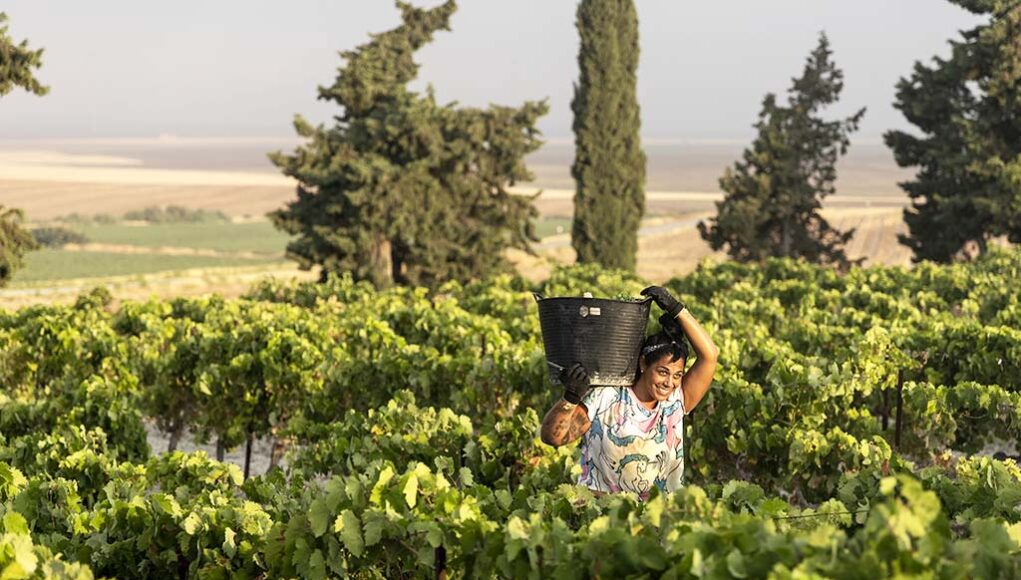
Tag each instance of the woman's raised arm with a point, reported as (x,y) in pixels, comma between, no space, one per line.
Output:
(700,375)
(696,381)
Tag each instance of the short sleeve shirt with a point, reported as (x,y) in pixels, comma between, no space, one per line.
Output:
(629,447)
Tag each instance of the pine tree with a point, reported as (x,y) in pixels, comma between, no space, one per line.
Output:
(15,240)
(774,193)
(968,186)
(401,189)
(609,165)
(17,62)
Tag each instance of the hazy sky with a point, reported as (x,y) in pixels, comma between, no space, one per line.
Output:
(130,68)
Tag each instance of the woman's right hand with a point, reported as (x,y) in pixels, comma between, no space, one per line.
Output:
(576,383)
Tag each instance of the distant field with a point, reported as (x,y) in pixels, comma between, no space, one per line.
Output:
(552,226)
(46,265)
(52,179)
(259,237)
(124,250)
(676,251)
(48,180)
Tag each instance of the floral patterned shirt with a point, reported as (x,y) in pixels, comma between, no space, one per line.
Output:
(629,447)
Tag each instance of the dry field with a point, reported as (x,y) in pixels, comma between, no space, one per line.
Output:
(44,200)
(51,180)
(675,251)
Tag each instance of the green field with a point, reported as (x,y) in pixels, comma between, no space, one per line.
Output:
(546,227)
(257,238)
(45,265)
(260,237)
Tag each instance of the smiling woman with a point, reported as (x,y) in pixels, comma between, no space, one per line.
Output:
(632,438)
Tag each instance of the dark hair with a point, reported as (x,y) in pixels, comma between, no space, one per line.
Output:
(658,345)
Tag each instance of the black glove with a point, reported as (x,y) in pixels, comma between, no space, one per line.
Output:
(662,296)
(575,381)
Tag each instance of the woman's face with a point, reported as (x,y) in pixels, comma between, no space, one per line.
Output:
(663,377)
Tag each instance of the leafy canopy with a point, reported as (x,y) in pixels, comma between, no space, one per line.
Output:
(775,192)
(16,64)
(402,189)
(967,143)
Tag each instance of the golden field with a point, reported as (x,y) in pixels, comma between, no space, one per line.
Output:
(48,180)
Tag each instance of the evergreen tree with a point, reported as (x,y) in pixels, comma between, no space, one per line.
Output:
(774,193)
(15,240)
(17,62)
(609,164)
(402,189)
(968,186)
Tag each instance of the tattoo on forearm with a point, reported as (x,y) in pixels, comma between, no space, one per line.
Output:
(566,426)
(579,424)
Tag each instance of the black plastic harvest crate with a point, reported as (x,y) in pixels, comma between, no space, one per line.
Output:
(602,334)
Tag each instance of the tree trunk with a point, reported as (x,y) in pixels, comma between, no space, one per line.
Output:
(886,409)
(440,556)
(220,449)
(785,238)
(983,246)
(381,263)
(248,454)
(900,410)
(398,267)
(175,438)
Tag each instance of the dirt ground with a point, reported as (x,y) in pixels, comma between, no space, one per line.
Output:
(261,449)
(675,253)
(44,200)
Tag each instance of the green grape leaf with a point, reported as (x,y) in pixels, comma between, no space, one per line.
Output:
(319,515)
(316,566)
(374,521)
(191,524)
(229,546)
(166,504)
(411,491)
(376,497)
(349,528)
(433,533)
(15,523)
(736,565)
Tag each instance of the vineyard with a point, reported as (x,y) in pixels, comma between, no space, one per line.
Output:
(850,432)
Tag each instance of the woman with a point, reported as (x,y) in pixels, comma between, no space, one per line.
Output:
(633,437)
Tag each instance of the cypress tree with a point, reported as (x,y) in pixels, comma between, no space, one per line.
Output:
(17,62)
(968,186)
(774,193)
(402,189)
(609,164)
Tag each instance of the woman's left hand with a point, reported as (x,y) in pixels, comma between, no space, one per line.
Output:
(664,299)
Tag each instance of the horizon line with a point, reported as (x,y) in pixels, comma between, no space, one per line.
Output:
(185,140)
